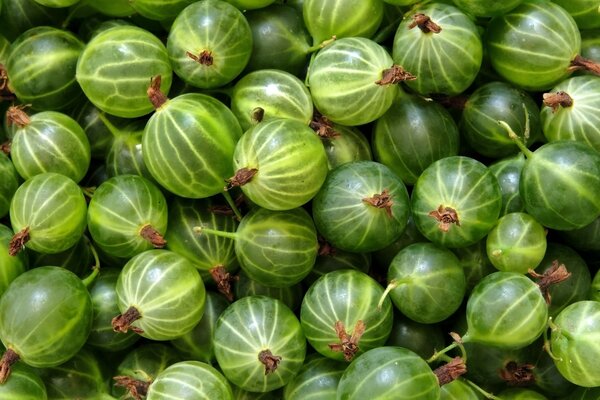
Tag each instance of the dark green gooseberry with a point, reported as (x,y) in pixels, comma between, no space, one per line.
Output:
(340,315)
(584,239)
(595,288)
(115,67)
(330,259)
(76,259)
(12,266)
(362,206)
(458,390)
(241,394)
(508,173)
(485,8)
(274,248)
(574,288)
(456,201)
(279,164)
(250,4)
(160,296)
(45,318)
(423,339)
(547,377)
(427,38)
(99,128)
(198,343)
(105,303)
(141,366)
(517,243)
(79,378)
(533,45)
(318,379)
(159,10)
(24,384)
(190,380)
(573,343)
(583,393)
(127,215)
(590,44)
(291,296)
(279,39)
(499,101)
(259,343)
(47,214)
(48,141)
(125,156)
(4,50)
(385,370)
(269,93)
(341,18)
(521,394)
(475,262)
(412,134)
(353,81)
(189,142)
(9,183)
(56,3)
(584,12)
(21,15)
(426,282)
(559,182)
(343,144)
(411,235)
(506,310)
(571,109)
(215,52)
(41,68)
(113,8)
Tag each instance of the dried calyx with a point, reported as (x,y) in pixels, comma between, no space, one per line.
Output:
(156,97)
(241,177)
(450,371)
(18,241)
(16,115)
(395,74)
(515,374)
(382,200)
(584,64)
(553,275)
(323,126)
(446,216)
(348,343)
(223,279)
(153,236)
(425,24)
(270,361)
(8,359)
(136,388)
(557,99)
(122,322)
(204,58)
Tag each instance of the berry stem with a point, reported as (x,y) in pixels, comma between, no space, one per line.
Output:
(200,230)
(232,205)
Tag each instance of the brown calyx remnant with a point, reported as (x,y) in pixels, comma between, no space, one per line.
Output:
(241,177)
(16,115)
(223,209)
(325,248)
(382,200)
(137,389)
(257,115)
(18,241)
(153,236)
(8,359)
(425,24)
(395,74)
(122,322)
(446,217)
(5,92)
(556,99)
(5,147)
(553,275)
(515,374)
(455,102)
(349,344)
(223,279)
(205,57)
(579,63)
(269,360)
(451,371)
(323,126)
(156,97)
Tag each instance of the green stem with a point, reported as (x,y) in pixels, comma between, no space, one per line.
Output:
(442,352)
(511,134)
(109,125)
(95,268)
(391,286)
(487,395)
(199,230)
(72,13)
(232,205)
(383,33)
(319,46)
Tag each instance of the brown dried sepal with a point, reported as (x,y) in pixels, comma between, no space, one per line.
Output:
(257,115)
(16,115)
(557,99)
(515,374)
(325,248)
(205,57)
(425,24)
(580,63)
(122,322)
(553,275)
(446,216)
(348,344)
(5,92)
(18,241)
(395,74)
(323,126)
(223,279)
(8,359)
(241,177)
(137,389)
(450,371)
(156,97)
(224,209)
(454,102)
(5,147)
(382,200)
(153,236)
(269,360)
